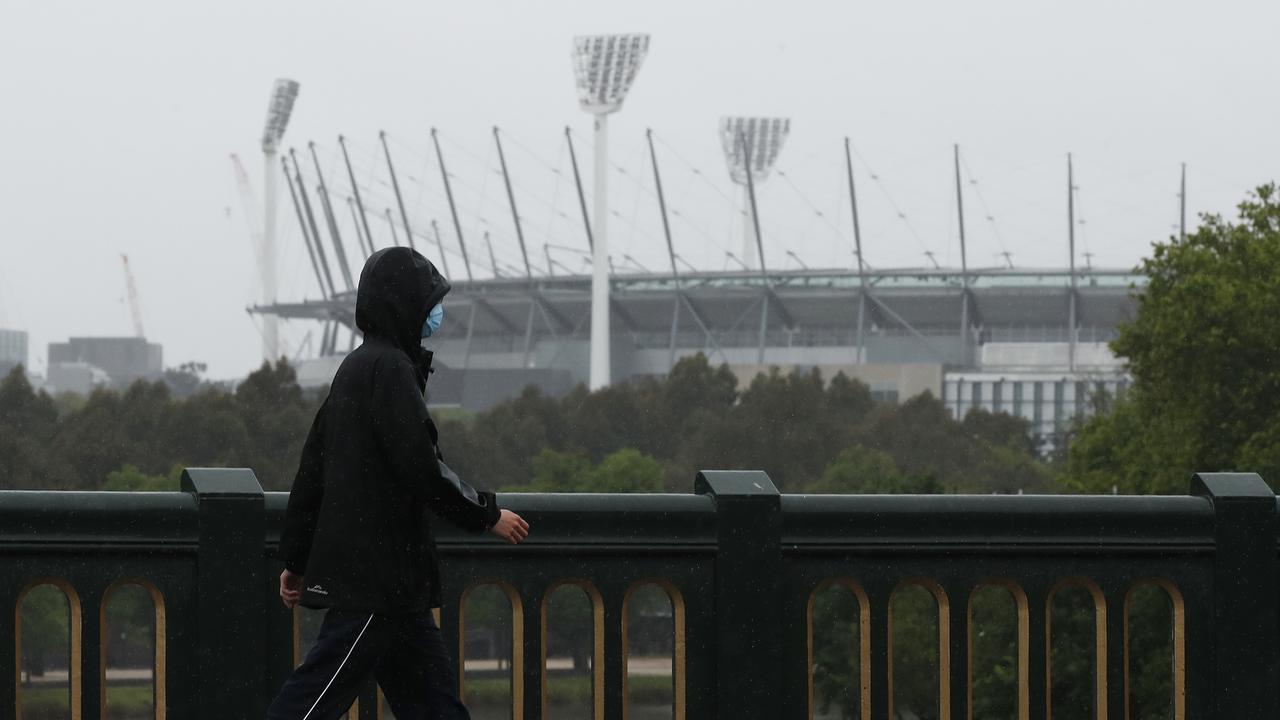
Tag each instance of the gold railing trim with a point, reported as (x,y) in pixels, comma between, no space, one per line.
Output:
(1099,643)
(944,642)
(1179,632)
(597,640)
(1023,610)
(159,644)
(864,640)
(678,650)
(75,672)
(517,641)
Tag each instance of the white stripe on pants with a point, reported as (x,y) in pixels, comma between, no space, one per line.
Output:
(344,662)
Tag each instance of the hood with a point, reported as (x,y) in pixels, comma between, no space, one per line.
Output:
(398,287)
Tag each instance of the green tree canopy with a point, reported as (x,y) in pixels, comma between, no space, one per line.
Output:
(133,439)
(642,435)
(1202,350)
(28,421)
(130,478)
(860,469)
(627,470)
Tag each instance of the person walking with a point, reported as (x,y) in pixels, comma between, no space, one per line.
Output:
(357,539)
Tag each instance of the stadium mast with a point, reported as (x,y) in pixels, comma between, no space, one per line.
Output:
(964,269)
(444,259)
(751,195)
(355,192)
(751,146)
(311,221)
(391,223)
(671,250)
(331,220)
(302,222)
(283,95)
(857,242)
(605,66)
(363,241)
(1182,206)
(577,180)
(1071,249)
(395,185)
(453,209)
(511,200)
(755,226)
(462,243)
(493,259)
(662,203)
(524,252)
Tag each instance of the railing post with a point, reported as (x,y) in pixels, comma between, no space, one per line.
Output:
(231,656)
(748,594)
(1245,643)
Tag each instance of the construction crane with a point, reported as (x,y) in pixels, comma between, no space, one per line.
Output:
(303,346)
(133,298)
(250,207)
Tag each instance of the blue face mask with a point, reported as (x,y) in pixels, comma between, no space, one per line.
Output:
(434,318)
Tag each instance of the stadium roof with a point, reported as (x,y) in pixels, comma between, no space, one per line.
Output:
(926,299)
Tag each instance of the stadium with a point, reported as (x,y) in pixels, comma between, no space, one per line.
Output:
(1029,341)
(1015,351)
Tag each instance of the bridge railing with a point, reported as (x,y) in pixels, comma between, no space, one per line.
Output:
(741,565)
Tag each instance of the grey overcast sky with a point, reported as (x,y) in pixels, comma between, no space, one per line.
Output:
(118,119)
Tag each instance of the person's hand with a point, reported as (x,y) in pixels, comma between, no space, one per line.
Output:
(290,588)
(510,527)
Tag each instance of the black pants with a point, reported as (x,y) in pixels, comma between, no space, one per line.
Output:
(404,653)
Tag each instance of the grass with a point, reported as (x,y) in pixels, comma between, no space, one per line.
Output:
(645,689)
(133,702)
(440,414)
(124,702)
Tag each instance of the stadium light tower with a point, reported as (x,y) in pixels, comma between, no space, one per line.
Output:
(763,138)
(606,65)
(282,97)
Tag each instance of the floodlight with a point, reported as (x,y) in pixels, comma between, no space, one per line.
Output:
(606,65)
(282,97)
(763,138)
(283,93)
(758,139)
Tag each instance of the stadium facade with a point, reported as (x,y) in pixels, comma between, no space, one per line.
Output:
(1025,341)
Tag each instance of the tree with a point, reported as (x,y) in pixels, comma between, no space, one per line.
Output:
(28,420)
(209,429)
(627,470)
(133,439)
(93,441)
(859,469)
(495,449)
(131,478)
(46,631)
(1000,429)
(1202,352)
(788,425)
(559,471)
(187,379)
(276,419)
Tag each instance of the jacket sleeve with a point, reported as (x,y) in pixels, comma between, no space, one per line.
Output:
(304,500)
(403,430)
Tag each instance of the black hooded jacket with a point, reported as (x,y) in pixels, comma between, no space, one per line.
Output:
(356,526)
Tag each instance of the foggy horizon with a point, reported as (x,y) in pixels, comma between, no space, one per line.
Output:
(121,125)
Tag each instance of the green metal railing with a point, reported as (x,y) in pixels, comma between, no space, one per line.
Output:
(741,563)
